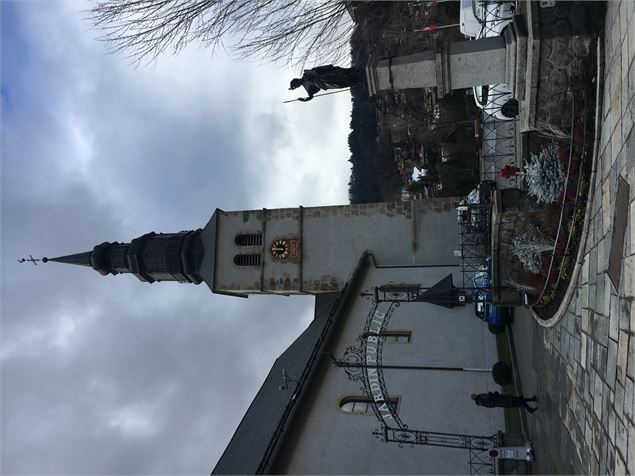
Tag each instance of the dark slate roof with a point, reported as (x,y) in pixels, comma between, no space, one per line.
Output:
(252,449)
(250,442)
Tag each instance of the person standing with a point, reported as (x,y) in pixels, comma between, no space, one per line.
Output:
(506,400)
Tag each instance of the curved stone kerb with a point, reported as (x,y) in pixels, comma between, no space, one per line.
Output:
(573,284)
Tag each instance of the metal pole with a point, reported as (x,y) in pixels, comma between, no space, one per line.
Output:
(339,363)
(319,95)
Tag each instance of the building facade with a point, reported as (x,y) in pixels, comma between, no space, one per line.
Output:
(388,364)
(312,417)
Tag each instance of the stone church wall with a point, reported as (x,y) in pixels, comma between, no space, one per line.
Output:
(228,276)
(327,440)
(331,241)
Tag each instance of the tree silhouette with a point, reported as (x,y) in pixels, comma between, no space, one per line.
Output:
(294,31)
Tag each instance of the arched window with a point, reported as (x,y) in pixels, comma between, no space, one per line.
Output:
(247,260)
(360,405)
(249,239)
(392,337)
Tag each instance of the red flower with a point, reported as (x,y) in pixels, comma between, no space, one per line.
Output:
(508,171)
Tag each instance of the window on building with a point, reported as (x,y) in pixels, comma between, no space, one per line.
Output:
(360,405)
(249,239)
(247,260)
(392,337)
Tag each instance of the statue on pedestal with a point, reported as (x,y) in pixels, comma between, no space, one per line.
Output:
(327,77)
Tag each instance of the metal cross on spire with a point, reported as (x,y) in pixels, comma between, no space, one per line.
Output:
(31,259)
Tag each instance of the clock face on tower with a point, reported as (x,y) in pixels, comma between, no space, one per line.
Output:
(286,249)
(280,249)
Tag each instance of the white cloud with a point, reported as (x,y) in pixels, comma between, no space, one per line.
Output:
(110,375)
(135,420)
(302,148)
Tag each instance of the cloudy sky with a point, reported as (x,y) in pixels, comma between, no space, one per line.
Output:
(107,374)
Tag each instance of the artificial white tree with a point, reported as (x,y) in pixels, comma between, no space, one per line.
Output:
(529,247)
(544,175)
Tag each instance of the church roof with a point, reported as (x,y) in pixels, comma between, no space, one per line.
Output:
(253,448)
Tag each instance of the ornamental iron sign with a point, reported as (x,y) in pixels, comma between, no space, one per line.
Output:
(362,362)
(405,436)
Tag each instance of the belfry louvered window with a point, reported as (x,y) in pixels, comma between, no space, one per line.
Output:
(247,260)
(249,239)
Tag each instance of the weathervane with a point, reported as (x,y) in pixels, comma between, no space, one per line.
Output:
(33,260)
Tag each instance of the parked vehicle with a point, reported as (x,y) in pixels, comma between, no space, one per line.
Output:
(485,18)
(495,317)
(492,100)
(469,210)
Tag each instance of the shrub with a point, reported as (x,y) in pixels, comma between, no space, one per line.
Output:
(544,175)
(529,246)
(502,373)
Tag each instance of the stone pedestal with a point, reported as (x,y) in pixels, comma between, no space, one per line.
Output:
(459,65)
(403,72)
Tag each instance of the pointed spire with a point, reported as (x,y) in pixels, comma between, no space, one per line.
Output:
(151,257)
(81,259)
(97,259)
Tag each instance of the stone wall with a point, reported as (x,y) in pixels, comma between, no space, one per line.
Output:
(567,40)
(511,214)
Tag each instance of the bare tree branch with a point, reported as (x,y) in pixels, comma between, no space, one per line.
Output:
(293,31)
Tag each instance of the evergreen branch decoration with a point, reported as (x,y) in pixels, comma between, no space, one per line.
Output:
(544,175)
(529,246)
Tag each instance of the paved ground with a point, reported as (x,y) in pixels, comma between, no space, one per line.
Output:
(583,369)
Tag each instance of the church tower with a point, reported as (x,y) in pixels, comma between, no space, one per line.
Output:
(151,257)
(288,250)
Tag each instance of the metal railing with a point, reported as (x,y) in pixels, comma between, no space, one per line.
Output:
(475,234)
(498,150)
(495,14)
(567,211)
